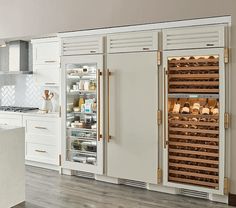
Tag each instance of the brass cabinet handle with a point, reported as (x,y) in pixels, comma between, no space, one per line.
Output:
(40,127)
(50,61)
(92,51)
(99,73)
(108,105)
(41,151)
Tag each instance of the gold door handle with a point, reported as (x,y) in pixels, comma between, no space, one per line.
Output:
(165,109)
(108,105)
(99,136)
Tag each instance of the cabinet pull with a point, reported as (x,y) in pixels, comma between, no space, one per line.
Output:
(92,51)
(50,61)
(41,151)
(50,83)
(40,127)
(108,105)
(99,105)
(146,49)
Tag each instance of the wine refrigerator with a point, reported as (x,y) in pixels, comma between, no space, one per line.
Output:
(194,116)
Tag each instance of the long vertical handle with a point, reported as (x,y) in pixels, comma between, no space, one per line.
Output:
(108,105)
(99,136)
(165,108)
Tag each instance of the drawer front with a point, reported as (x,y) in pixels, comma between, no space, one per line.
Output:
(12,120)
(42,153)
(39,139)
(41,127)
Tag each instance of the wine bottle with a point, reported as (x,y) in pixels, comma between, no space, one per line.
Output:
(176,107)
(215,109)
(196,108)
(205,109)
(186,107)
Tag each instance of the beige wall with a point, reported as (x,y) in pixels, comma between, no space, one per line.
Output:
(37,17)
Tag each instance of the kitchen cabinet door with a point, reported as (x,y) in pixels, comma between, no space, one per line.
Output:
(46,51)
(132,149)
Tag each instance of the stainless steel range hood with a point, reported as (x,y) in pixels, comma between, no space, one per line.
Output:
(17,53)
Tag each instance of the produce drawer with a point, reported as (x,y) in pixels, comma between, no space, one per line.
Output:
(41,153)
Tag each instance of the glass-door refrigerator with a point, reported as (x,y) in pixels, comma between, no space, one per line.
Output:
(82,130)
(194,134)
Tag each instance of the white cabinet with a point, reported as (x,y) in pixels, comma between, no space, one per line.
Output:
(10,119)
(42,139)
(46,61)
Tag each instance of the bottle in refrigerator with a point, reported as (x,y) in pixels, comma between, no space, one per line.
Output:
(186,107)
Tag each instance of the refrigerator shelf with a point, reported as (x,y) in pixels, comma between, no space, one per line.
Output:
(81,92)
(193,116)
(82,138)
(192,95)
(84,113)
(82,152)
(188,61)
(81,78)
(82,129)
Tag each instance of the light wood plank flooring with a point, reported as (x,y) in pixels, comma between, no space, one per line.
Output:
(48,189)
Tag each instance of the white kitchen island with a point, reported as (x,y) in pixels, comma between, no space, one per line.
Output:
(12,166)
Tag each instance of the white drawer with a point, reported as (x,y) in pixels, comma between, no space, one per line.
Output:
(41,126)
(39,139)
(12,120)
(42,153)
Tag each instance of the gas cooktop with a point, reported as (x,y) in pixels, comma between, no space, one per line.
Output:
(17,109)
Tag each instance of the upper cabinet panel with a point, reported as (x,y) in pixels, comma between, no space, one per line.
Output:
(132,41)
(194,37)
(46,51)
(82,45)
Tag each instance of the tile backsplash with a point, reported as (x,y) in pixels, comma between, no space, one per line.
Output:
(22,90)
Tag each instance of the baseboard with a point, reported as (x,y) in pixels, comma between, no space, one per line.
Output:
(219,198)
(161,188)
(232,199)
(43,165)
(107,179)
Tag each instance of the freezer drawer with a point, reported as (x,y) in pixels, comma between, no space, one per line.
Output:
(132,145)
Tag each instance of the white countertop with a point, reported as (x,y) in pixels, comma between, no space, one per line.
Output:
(33,113)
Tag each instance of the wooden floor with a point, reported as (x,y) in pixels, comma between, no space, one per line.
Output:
(48,189)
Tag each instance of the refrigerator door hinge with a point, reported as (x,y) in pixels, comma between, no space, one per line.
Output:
(59,160)
(159,175)
(226,55)
(159,58)
(166,72)
(159,117)
(227,120)
(226,185)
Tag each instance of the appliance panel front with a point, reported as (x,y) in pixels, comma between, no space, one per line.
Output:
(194,134)
(132,150)
(82,142)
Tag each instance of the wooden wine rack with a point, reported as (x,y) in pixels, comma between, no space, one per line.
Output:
(193,142)
(200,75)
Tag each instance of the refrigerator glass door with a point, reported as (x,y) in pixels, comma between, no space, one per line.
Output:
(82,142)
(194,110)
(132,145)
